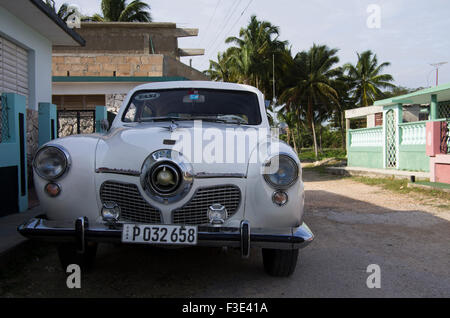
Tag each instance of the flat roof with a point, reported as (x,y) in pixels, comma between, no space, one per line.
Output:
(109,79)
(420,97)
(177,32)
(363,111)
(43,19)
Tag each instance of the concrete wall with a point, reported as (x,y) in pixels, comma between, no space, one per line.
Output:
(126,38)
(414,158)
(135,65)
(40,73)
(173,67)
(369,157)
(365,147)
(107,64)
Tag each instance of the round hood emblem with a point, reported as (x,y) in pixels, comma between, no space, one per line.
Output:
(166,176)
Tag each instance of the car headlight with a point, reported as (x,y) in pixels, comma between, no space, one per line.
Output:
(286,174)
(51,162)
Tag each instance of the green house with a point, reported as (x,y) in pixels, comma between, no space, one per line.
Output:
(391,134)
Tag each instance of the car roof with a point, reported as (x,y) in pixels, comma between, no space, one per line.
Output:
(197,84)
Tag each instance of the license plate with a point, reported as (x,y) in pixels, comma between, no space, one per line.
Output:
(159,234)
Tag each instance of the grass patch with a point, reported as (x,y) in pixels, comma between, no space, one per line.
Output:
(401,186)
(308,154)
(435,184)
(318,169)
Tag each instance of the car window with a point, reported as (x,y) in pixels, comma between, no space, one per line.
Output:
(190,104)
(130,115)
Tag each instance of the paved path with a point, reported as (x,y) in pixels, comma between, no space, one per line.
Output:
(356,225)
(9,237)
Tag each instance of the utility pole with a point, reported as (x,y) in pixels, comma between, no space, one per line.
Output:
(436,66)
(273,77)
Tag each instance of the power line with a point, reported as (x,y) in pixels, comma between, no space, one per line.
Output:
(210,20)
(226,21)
(242,13)
(223,22)
(232,27)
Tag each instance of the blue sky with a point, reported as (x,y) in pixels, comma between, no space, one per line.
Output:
(412,34)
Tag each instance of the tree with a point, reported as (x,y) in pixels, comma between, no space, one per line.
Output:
(251,59)
(120,11)
(367,78)
(314,73)
(220,70)
(400,90)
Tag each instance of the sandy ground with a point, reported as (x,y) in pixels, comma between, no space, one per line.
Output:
(355,225)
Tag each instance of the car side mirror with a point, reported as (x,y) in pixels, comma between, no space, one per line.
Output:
(104,125)
(283,128)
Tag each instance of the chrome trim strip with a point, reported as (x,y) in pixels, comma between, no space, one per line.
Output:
(207,175)
(80,230)
(55,231)
(124,172)
(245,239)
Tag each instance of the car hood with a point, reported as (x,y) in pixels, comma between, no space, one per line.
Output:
(126,148)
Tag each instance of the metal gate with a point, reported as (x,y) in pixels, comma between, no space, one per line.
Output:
(72,122)
(391,139)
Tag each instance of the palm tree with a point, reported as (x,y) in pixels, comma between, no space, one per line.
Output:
(220,70)
(120,11)
(253,53)
(313,83)
(367,79)
(343,86)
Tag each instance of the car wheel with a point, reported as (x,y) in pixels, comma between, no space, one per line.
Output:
(68,254)
(280,263)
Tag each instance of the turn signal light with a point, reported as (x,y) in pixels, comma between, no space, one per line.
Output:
(52,189)
(280,198)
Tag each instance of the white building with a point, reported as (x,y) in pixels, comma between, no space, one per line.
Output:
(29,29)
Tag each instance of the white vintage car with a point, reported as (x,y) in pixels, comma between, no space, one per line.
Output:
(183,164)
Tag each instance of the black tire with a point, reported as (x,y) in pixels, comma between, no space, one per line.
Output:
(68,254)
(280,263)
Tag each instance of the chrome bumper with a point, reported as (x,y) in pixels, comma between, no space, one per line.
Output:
(82,232)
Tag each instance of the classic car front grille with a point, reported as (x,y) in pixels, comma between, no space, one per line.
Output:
(133,207)
(195,212)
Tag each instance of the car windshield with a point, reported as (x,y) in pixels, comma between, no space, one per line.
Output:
(227,106)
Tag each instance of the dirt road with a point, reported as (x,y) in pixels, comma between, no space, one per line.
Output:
(355,225)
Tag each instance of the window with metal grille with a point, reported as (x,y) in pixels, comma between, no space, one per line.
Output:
(444,109)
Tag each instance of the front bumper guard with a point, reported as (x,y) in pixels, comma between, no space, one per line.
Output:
(82,232)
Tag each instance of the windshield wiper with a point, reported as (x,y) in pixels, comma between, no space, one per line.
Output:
(172,119)
(147,119)
(219,120)
(209,119)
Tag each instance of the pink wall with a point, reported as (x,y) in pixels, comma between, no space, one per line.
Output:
(442,172)
(439,163)
(433,138)
(440,168)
